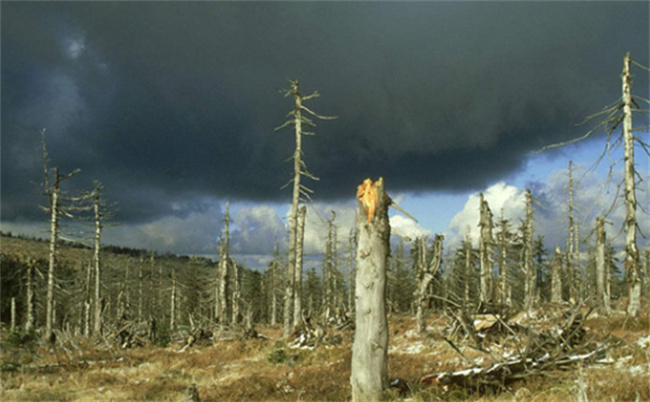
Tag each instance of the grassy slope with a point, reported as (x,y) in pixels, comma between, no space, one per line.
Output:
(238,370)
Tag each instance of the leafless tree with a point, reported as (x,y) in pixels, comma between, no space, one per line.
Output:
(369,351)
(299,117)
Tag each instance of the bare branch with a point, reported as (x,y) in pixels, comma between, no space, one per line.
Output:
(306,109)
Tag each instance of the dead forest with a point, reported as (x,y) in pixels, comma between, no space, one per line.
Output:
(379,316)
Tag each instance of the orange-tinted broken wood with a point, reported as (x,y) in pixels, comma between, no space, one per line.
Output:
(368,196)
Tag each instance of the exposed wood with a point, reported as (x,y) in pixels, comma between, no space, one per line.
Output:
(556,276)
(300,238)
(370,348)
(632,264)
(485,244)
(426,275)
(602,267)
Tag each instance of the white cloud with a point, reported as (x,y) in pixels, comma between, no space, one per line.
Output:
(499,196)
(407,228)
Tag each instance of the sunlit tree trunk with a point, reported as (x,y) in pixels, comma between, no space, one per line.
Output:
(485,242)
(530,273)
(425,277)
(602,271)
(223,271)
(556,276)
(632,265)
(54,232)
(172,303)
(468,269)
(300,237)
(369,351)
(31,318)
(97,327)
(571,241)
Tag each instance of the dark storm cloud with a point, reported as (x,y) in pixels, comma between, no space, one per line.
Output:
(169,101)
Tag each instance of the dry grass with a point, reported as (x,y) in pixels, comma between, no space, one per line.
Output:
(243,371)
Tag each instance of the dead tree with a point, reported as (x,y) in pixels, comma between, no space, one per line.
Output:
(55,209)
(504,283)
(602,267)
(530,273)
(468,268)
(236,293)
(632,264)
(426,274)
(223,271)
(620,114)
(369,351)
(485,243)
(556,276)
(172,303)
(299,113)
(570,262)
(31,281)
(352,241)
(330,267)
(300,237)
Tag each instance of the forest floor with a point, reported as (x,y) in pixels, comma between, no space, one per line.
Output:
(234,369)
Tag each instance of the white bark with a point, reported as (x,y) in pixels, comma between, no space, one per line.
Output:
(97,327)
(31,319)
(300,237)
(54,231)
(556,276)
(369,351)
(172,304)
(602,268)
(571,242)
(485,223)
(426,275)
(632,264)
(530,277)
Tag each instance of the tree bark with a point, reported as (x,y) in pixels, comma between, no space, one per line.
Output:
(602,271)
(54,231)
(530,277)
(172,303)
(468,269)
(571,242)
(485,223)
(97,327)
(556,276)
(223,271)
(632,265)
(369,351)
(31,318)
(300,237)
(425,277)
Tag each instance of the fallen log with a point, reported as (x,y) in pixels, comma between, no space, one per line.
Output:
(499,375)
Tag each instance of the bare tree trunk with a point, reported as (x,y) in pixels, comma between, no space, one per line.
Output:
(140,293)
(556,276)
(530,277)
(297,306)
(274,295)
(602,271)
(329,268)
(632,265)
(299,169)
(31,318)
(506,291)
(97,327)
(468,268)
(223,266)
(485,223)
(369,351)
(351,269)
(293,218)
(425,277)
(172,309)
(571,242)
(12,325)
(54,231)
(236,293)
